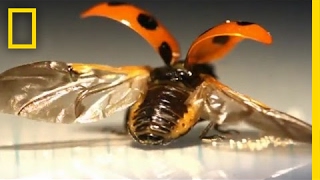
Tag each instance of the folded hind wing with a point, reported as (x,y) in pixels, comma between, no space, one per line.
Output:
(60,92)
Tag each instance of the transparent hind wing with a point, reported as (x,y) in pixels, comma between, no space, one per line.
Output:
(228,107)
(60,92)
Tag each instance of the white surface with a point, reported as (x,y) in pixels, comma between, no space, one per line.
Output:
(123,162)
(51,151)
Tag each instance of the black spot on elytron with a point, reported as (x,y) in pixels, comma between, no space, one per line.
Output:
(116,3)
(165,52)
(221,40)
(147,21)
(244,23)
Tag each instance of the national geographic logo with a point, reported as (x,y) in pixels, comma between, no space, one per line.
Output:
(33,12)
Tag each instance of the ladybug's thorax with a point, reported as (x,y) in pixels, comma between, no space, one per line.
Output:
(175,74)
(195,69)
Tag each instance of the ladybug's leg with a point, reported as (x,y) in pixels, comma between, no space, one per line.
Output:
(218,124)
(215,110)
(222,134)
(203,136)
(217,127)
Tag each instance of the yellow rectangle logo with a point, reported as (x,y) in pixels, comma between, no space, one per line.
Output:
(33,44)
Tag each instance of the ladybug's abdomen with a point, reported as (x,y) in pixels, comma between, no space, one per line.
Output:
(153,118)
